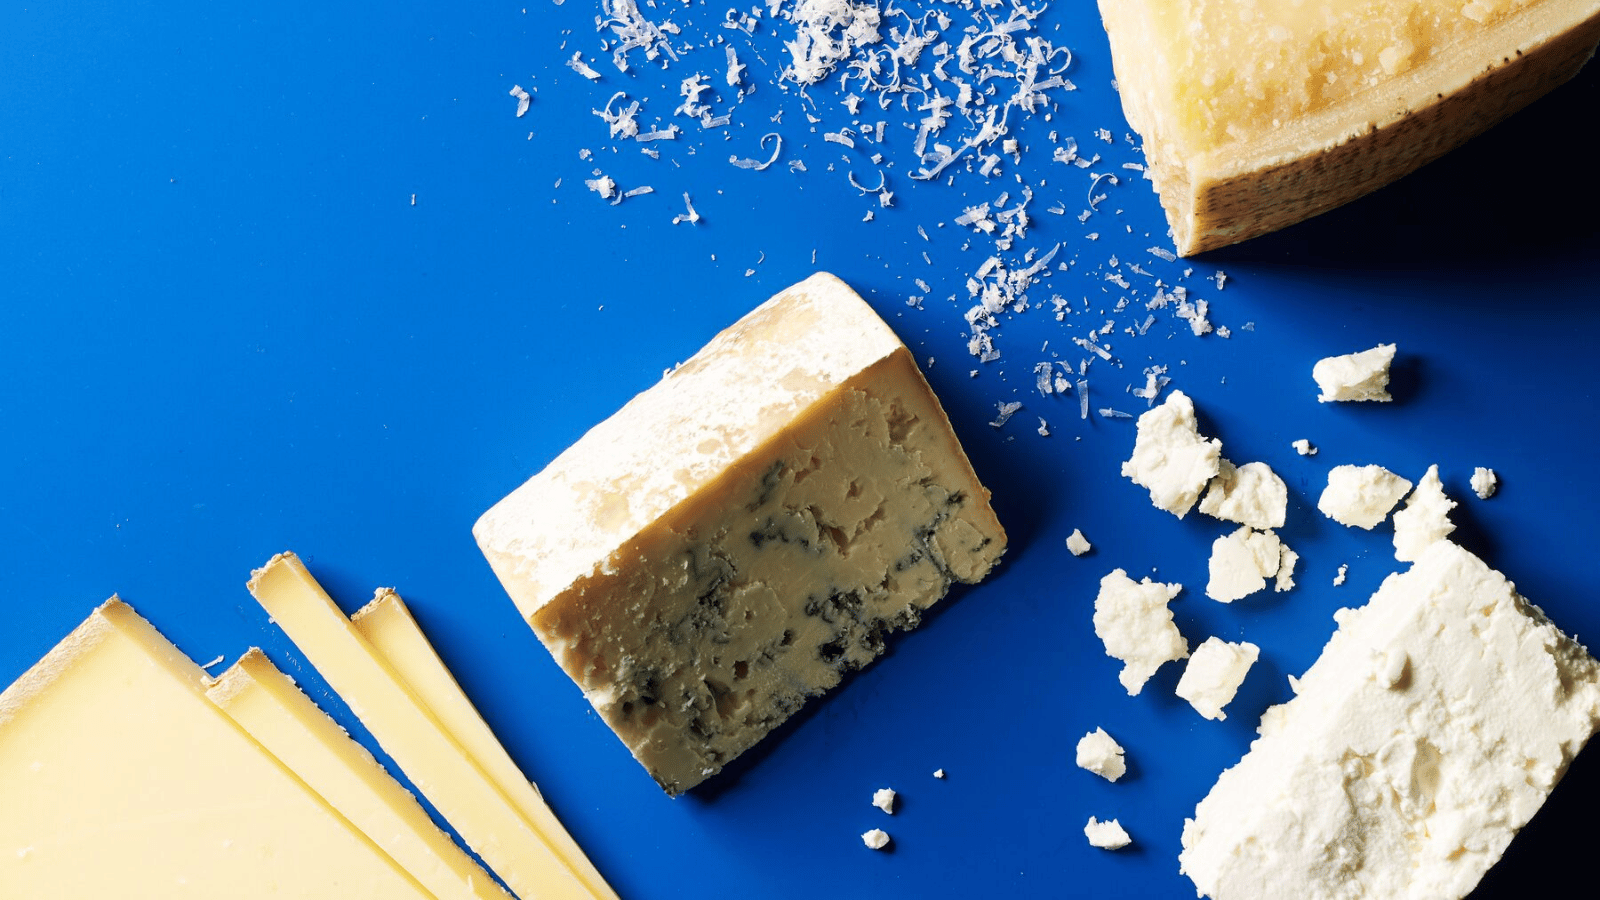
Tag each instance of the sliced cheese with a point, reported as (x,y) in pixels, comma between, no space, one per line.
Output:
(387,625)
(120,779)
(411,735)
(268,705)
(1256,115)
(740,535)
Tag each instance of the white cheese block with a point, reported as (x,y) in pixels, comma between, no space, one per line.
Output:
(1425,519)
(1108,835)
(1077,543)
(1170,458)
(1484,482)
(1241,563)
(1355,376)
(1100,753)
(1251,494)
(1431,728)
(1132,619)
(875,839)
(1213,674)
(883,798)
(739,536)
(1361,496)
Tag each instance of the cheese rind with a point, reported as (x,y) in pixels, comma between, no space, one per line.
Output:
(739,536)
(1431,728)
(135,786)
(268,705)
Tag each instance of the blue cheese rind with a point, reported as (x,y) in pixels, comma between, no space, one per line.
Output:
(1433,726)
(741,535)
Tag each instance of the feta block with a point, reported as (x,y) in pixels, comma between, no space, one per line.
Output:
(1241,563)
(1108,835)
(1077,543)
(1432,727)
(1099,753)
(739,536)
(1133,620)
(1425,519)
(883,798)
(1213,675)
(876,839)
(1170,458)
(1251,494)
(1484,482)
(1303,447)
(1355,376)
(1361,496)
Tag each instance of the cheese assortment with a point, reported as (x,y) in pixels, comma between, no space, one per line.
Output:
(739,536)
(1257,115)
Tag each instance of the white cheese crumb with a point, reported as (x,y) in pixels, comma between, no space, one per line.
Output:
(1099,753)
(524,99)
(1425,519)
(1077,543)
(1213,675)
(1361,496)
(1242,562)
(1132,620)
(1339,578)
(1484,482)
(1355,376)
(1170,458)
(876,839)
(1304,448)
(1286,563)
(1250,494)
(883,798)
(938,773)
(1107,835)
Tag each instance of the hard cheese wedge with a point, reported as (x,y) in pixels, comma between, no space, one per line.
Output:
(120,779)
(411,735)
(1432,727)
(389,628)
(741,534)
(1256,115)
(268,705)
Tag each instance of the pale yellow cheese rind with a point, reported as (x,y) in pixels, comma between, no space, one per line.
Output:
(387,624)
(120,779)
(268,705)
(411,735)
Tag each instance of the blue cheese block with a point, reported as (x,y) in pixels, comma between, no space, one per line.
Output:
(740,535)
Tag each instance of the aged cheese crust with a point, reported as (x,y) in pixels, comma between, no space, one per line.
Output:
(1324,102)
(741,535)
(1430,730)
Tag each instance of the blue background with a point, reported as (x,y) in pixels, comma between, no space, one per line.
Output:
(228,331)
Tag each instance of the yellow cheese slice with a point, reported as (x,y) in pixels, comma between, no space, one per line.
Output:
(411,735)
(387,624)
(118,778)
(1257,114)
(267,704)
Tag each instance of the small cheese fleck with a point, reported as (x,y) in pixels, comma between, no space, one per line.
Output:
(1285,579)
(1241,563)
(876,839)
(1077,543)
(1170,458)
(1361,496)
(1303,447)
(1251,494)
(1132,619)
(1108,835)
(1214,673)
(1099,753)
(1425,519)
(1338,579)
(883,798)
(1355,376)
(1484,482)
(938,773)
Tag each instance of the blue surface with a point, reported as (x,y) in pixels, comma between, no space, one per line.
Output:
(229,332)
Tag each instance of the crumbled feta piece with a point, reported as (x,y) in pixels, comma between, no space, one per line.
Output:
(1132,619)
(1338,577)
(1285,579)
(1484,482)
(1108,835)
(876,839)
(1170,458)
(1077,543)
(1099,753)
(1355,376)
(938,773)
(1361,496)
(1425,519)
(1241,563)
(1213,675)
(883,798)
(1251,494)
(1303,447)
